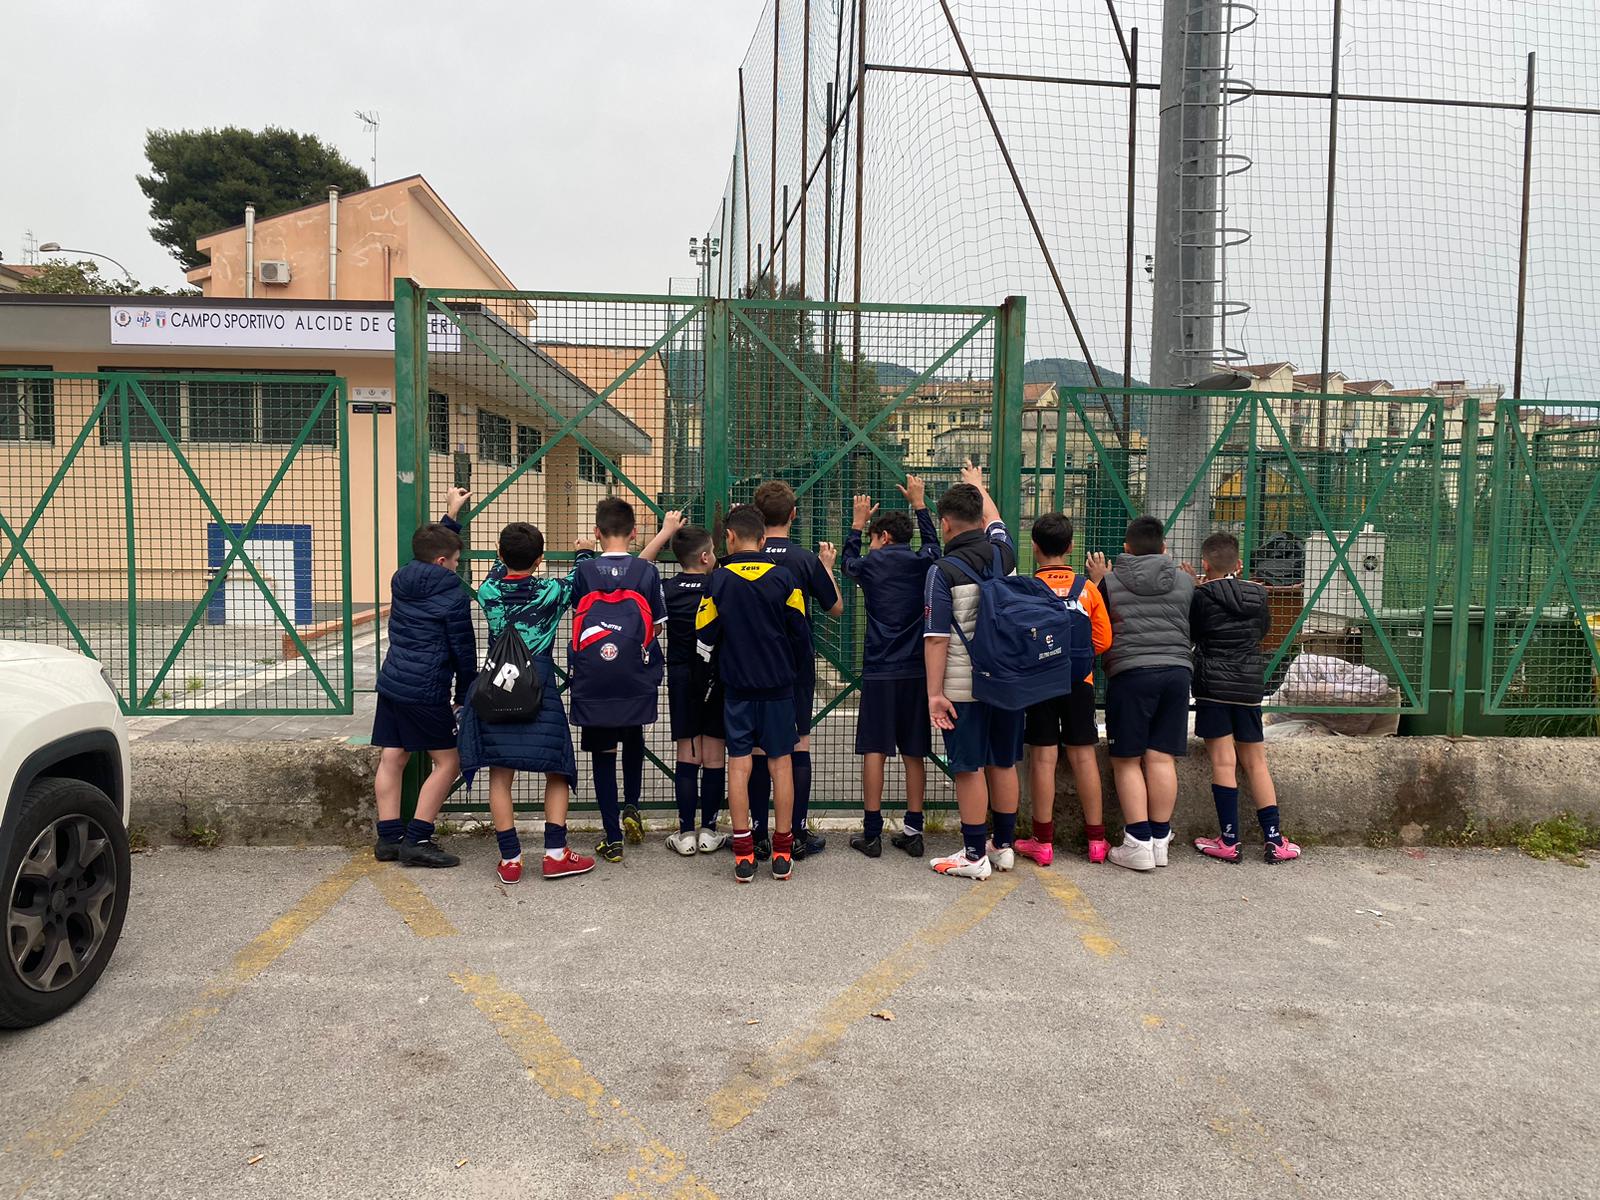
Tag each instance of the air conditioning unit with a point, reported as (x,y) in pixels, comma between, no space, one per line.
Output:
(1339,600)
(274,271)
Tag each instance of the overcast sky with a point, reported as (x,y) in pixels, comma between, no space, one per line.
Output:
(582,143)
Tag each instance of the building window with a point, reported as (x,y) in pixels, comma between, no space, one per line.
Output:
(248,410)
(528,443)
(438,423)
(590,468)
(494,438)
(27,408)
(222,412)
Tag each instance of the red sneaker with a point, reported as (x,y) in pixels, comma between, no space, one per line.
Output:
(510,872)
(1042,853)
(568,863)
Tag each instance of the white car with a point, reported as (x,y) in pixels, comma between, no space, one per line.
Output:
(64,861)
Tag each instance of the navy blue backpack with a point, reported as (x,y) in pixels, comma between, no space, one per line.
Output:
(1021,645)
(1081,640)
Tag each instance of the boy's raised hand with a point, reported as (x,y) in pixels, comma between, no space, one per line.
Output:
(862,511)
(827,554)
(456,501)
(1096,566)
(973,474)
(672,521)
(582,543)
(915,492)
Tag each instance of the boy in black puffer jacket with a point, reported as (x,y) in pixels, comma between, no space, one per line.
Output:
(1227,619)
(431,646)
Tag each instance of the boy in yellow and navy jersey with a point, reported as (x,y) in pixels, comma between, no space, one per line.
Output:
(754,618)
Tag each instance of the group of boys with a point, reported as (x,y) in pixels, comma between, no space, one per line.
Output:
(740,670)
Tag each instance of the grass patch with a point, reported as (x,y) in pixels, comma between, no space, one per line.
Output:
(1563,837)
(202,837)
(196,683)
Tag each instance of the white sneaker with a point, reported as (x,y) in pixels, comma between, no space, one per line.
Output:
(711,841)
(683,842)
(1133,854)
(959,864)
(1158,847)
(1001,859)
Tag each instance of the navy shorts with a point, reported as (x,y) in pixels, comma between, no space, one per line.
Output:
(696,711)
(1241,722)
(893,716)
(1147,708)
(984,736)
(413,726)
(765,725)
(805,697)
(604,739)
(1064,721)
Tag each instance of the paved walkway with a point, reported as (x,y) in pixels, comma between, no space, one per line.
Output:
(1385,1024)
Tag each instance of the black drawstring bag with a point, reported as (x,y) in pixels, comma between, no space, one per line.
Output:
(508,688)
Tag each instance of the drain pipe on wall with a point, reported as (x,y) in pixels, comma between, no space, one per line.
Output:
(249,251)
(333,243)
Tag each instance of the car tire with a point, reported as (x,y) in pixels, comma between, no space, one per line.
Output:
(64,877)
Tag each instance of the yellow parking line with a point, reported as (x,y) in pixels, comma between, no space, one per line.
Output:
(419,913)
(750,1089)
(653,1169)
(88,1105)
(1092,930)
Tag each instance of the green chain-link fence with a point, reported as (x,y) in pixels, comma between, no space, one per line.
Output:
(188,530)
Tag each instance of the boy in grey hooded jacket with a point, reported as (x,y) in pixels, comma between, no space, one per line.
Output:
(1147,596)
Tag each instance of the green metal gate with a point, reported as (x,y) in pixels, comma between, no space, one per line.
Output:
(188,530)
(543,403)
(1346,492)
(1542,614)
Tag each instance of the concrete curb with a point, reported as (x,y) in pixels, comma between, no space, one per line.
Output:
(1331,789)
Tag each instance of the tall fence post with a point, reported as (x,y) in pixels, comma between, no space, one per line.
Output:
(1461,612)
(410,459)
(1005,455)
(714,422)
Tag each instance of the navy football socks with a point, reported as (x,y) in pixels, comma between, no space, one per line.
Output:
(973,837)
(713,786)
(1269,824)
(801,760)
(632,765)
(391,831)
(1227,801)
(871,824)
(760,795)
(422,831)
(605,794)
(1160,829)
(913,823)
(1005,829)
(1138,830)
(555,837)
(686,787)
(510,843)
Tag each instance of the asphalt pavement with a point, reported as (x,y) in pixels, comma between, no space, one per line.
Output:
(301,1023)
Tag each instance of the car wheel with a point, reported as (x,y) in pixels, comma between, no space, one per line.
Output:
(65,878)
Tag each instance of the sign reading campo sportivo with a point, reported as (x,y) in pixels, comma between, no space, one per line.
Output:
(275,328)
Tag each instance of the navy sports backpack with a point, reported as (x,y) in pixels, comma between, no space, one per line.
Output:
(1081,639)
(615,661)
(1021,643)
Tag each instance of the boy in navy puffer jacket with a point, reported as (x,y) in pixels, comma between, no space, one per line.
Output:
(431,643)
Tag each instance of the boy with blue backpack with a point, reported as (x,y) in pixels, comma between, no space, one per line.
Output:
(1068,720)
(616,665)
(993,643)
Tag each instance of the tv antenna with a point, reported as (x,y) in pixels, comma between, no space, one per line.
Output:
(370,120)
